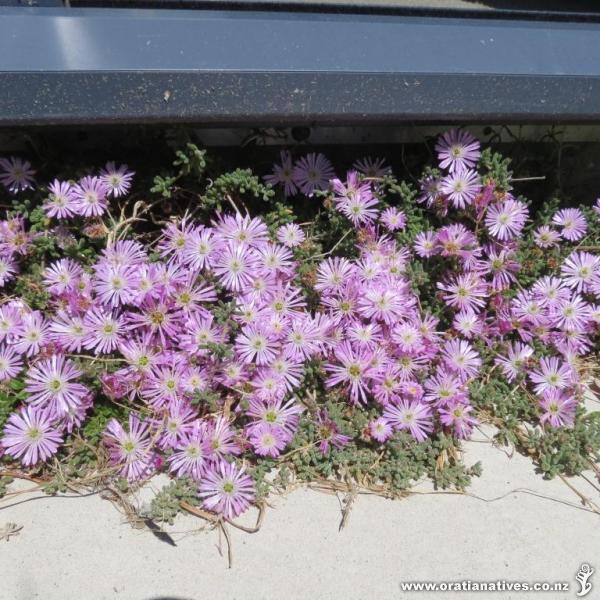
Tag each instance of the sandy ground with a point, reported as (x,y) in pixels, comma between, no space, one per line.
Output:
(82,548)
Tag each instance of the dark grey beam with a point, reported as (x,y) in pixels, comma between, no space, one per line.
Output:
(86,66)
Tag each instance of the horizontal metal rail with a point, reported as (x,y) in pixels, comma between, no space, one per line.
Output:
(217,67)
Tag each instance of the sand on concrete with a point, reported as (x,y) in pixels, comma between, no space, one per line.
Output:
(73,548)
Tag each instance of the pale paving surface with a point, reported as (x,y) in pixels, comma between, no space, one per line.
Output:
(81,548)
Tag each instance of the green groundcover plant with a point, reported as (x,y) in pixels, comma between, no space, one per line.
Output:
(243,330)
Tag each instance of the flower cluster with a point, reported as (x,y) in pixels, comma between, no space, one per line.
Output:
(207,335)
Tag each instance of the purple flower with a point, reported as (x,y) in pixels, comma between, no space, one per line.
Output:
(283,175)
(189,457)
(61,201)
(579,269)
(329,434)
(380,430)
(464,291)
(332,274)
(546,237)
(573,223)
(312,172)
(290,235)
(457,150)
(553,375)
(236,266)
(16,175)
(90,197)
(104,331)
(68,331)
(353,371)
(506,220)
(457,415)
(373,168)
(131,450)
(62,276)
(33,334)
(514,363)
(461,186)
(559,408)
(10,363)
(393,219)
(425,244)
(50,385)
(116,285)
(459,357)
(117,179)
(227,490)
(268,440)
(30,436)
(415,417)
(220,439)
(256,344)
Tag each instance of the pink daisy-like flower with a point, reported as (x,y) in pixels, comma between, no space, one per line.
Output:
(333,273)
(177,423)
(457,415)
(61,200)
(30,436)
(117,179)
(255,344)
(290,235)
(559,408)
(572,313)
(552,375)
(329,433)
(90,197)
(16,175)
(572,222)
(579,269)
(221,439)
(50,385)
(546,237)
(10,363)
(283,174)
(68,331)
(468,323)
(425,244)
(514,362)
(131,450)
(393,219)
(313,172)
(506,220)
(381,430)
(275,412)
(415,417)
(33,334)
(8,269)
(461,186)
(226,489)
(116,285)
(242,230)
(459,356)
(164,384)
(464,291)
(457,149)
(235,267)
(104,331)
(189,457)
(355,368)
(373,168)
(268,440)
(62,275)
